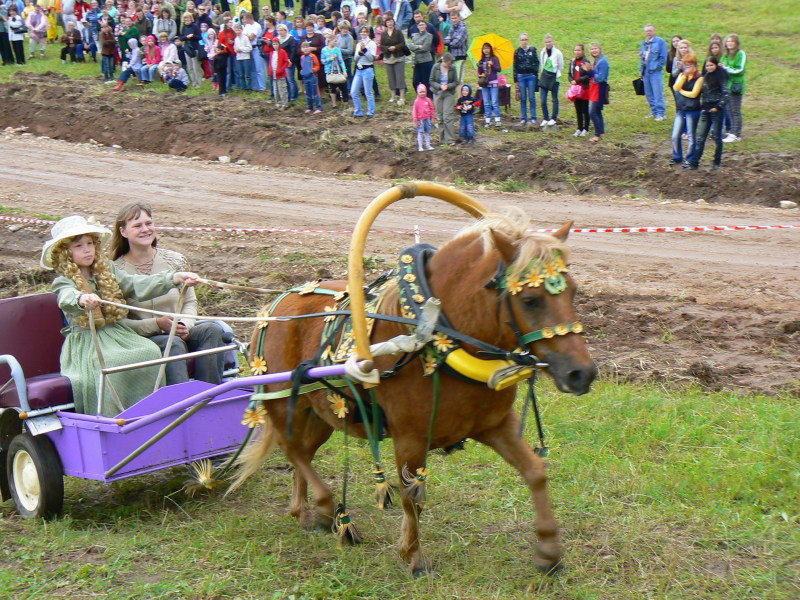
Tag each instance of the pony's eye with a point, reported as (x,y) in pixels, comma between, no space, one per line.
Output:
(532,302)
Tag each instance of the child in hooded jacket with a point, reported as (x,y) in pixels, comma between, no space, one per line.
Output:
(423,113)
(134,58)
(465,105)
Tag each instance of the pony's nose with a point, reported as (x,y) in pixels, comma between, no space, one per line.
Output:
(580,380)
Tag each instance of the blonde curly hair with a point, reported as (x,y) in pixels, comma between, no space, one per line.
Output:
(106,282)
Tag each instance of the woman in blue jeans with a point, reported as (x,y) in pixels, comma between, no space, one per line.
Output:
(713,99)
(488,68)
(526,71)
(552,62)
(687,87)
(598,89)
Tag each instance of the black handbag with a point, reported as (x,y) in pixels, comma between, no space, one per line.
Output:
(547,81)
(190,49)
(638,86)
(20,30)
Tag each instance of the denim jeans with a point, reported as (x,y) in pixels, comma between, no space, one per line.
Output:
(203,336)
(363,79)
(107,65)
(291,80)
(126,74)
(244,73)
(685,120)
(467,128)
(490,103)
(146,72)
(311,86)
(710,122)
(177,84)
(596,115)
(654,92)
(527,93)
(554,96)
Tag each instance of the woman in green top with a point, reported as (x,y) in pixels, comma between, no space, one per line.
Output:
(734,61)
(85,277)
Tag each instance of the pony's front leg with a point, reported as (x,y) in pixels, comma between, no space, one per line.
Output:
(516,452)
(411,456)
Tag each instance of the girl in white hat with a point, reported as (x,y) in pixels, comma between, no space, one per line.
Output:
(85,277)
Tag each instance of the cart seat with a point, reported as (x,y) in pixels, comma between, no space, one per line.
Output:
(31,333)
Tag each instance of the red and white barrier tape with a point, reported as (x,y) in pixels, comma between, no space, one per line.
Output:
(416,231)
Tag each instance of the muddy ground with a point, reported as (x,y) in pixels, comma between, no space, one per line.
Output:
(718,309)
(53,105)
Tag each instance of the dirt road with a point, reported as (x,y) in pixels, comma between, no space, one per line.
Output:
(722,307)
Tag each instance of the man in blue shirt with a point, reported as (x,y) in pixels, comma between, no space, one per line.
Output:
(652,58)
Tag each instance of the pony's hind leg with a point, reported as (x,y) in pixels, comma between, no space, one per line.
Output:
(516,452)
(310,433)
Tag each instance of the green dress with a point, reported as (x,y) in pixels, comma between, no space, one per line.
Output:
(120,345)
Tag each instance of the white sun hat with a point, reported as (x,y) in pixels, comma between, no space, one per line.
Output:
(70,227)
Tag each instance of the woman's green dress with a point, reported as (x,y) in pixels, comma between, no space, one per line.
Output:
(120,345)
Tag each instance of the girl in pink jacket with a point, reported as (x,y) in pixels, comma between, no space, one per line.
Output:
(424,114)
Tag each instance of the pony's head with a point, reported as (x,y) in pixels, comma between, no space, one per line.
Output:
(511,288)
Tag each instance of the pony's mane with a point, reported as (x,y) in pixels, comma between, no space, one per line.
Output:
(513,223)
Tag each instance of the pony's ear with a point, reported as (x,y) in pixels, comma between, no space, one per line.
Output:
(563,231)
(505,246)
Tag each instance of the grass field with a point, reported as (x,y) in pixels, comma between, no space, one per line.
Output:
(770,35)
(660,494)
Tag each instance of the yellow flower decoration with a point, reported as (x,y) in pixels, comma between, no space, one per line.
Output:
(418,298)
(535,279)
(429,366)
(514,285)
(577,327)
(264,312)
(330,317)
(338,405)
(551,269)
(442,343)
(308,288)
(254,417)
(410,277)
(327,354)
(407,258)
(340,296)
(422,473)
(559,260)
(258,366)
(407,312)
(547,332)
(562,329)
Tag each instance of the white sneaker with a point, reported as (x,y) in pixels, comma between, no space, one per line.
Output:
(659,118)
(391,100)
(577,132)
(543,123)
(290,13)
(730,138)
(421,149)
(532,121)
(487,125)
(522,122)
(584,132)
(551,122)
(649,116)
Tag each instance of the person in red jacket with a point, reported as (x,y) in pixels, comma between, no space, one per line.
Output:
(226,76)
(277,67)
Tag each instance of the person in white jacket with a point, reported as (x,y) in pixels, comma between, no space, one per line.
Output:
(552,62)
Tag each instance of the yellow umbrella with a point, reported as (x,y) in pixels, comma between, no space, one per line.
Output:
(503,49)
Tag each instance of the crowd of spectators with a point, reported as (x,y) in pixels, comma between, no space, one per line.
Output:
(332,48)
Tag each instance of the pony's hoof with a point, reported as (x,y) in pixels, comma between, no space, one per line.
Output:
(547,558)
(421,572)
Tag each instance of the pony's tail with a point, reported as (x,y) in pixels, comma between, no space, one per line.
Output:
(256,452)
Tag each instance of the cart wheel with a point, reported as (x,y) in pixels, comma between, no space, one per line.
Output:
(34,476)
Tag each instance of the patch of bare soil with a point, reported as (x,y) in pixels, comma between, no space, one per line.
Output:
(52,105)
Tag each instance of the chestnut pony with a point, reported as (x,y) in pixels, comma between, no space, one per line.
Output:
(458,274)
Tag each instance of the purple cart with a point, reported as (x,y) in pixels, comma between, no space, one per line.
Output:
(41,439)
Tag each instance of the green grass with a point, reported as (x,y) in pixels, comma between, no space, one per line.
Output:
(660,494)
(770,35)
